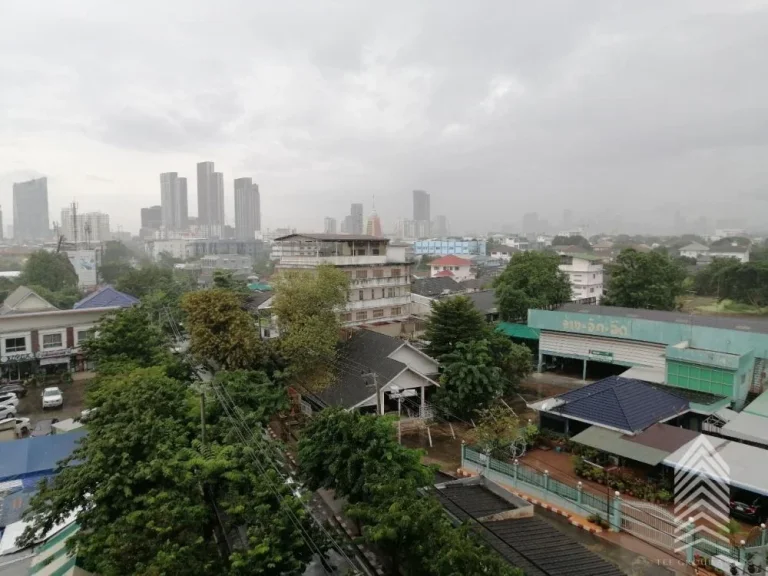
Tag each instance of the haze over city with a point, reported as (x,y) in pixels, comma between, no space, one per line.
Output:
(624,113)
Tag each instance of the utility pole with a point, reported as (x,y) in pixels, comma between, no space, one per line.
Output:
(376,385)
(202,416)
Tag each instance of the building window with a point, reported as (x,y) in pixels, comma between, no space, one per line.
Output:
(347,317)
(378,313)
(396,311)
(395,272)
(361,294)
(15,344)
(378,273)
(390,292)
(361,315)
(361,274)
(591,289)
(52,341)
(83,335)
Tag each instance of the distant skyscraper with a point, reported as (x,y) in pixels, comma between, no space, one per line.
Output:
(30,210)
(1,223)
(329,225)
(204,187)
(152,217)
(531,222)
(346,224)
(217,206)
(373,227)
(247,209)
(421,205)
(173,200)
(441,226)
(356,213)
(85,227)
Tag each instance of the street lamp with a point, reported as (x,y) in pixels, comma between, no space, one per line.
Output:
(607,470)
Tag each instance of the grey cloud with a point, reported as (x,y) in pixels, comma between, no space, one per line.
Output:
(519,106)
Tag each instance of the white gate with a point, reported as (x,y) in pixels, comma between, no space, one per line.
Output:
(649,522)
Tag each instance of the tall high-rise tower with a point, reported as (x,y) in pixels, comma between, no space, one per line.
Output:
(356,213)
(173,199)
(421,206)
(30,210)
(247,209)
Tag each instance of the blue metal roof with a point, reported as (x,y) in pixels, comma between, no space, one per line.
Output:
(106,297)
(35,456)
(621,403)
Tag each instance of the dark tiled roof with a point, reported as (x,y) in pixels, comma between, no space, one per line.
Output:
(484,300)
(368,349)
(256,299)
(475,283)
(622,403)
(106,297)
(475,500)
(691,395)
(435,286)
(713,321)
(531,544)
(663,437)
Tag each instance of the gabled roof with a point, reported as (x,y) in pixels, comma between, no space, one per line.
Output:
(436,286)
(694,247)
(443,274)
(620,404)
(450,260)
(370,351)
(24,300)
(729,250)
(106,297)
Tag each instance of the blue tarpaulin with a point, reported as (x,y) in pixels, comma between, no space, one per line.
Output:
(32,457)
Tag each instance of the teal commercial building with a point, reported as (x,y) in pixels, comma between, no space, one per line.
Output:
(711,355)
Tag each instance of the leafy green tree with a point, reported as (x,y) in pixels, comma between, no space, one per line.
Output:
(307,304)
(497,429)
(127,336)
(116,251)
(350,453)
(167,261)
(470,381)
(110,272)
(530,280)
(225,280)
(253,393)
(514,360)
(221,331)
(644,280)
(63,299)
(745,283)
(451,322)
(139,282)
(711,280)
(51,270)
(461,553)
(576,240)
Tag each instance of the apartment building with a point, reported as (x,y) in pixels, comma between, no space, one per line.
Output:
(379,277)
(585,272)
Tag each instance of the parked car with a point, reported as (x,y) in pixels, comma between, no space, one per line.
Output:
(7,411)
(53,397)
(750,508)
(9,398)
(20,425)
(19,389)
(43,428)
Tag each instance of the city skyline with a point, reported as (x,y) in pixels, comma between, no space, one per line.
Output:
(636,112)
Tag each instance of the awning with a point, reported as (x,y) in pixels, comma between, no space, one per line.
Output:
(518,331)
(614,443)
(54,360)
(749,427)
(646,374)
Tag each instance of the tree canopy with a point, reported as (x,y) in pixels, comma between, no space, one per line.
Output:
(51,270)
(139,282)
(575,240)
(531,280)
(470,380)
(220,330)
(727,278)
(644,280)
(452,321)
(307,304)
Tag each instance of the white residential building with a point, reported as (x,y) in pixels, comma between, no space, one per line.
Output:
(740,253)
(585,273)
(517,243)
(694,250)
(453,267)
(379,279)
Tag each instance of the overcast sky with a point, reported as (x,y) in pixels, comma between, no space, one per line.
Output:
(621,111)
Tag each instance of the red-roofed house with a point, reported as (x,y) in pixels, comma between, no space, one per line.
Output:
(458,268)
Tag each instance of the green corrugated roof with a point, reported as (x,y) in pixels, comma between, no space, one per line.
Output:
(518,330)
(759,406)
(260,287)
(613,442)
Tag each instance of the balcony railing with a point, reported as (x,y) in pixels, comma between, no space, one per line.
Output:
(384,281)
(309,261)
(378,303)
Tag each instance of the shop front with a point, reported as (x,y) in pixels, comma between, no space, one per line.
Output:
(19,367)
